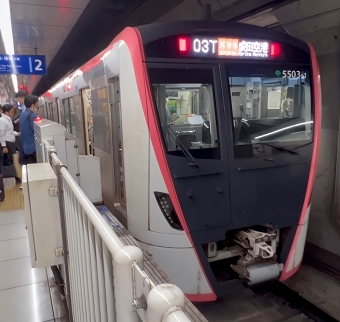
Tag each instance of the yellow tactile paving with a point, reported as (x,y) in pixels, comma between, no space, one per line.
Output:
(14,199)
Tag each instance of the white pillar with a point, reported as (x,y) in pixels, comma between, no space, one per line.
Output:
(123,283)
(165,303)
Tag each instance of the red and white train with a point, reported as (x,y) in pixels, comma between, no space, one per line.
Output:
(207,134)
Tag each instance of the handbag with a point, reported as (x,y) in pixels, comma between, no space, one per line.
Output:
(8,170)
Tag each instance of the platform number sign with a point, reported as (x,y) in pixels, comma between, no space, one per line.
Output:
(290,74)
(23,64)
(35,66)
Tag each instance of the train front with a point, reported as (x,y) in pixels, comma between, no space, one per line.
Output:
(237,116)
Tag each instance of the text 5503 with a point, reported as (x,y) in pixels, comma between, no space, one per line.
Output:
(293,74)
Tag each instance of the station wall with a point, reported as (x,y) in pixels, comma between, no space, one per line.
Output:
(318,22)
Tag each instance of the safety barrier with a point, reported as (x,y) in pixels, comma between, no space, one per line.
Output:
(104,278)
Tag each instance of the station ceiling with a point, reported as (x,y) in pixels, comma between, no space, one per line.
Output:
(41,27)
(70,32)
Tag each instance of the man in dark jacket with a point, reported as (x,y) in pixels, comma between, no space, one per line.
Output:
(16,126)
(27,118)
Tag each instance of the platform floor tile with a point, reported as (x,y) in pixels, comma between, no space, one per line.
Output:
(26,294)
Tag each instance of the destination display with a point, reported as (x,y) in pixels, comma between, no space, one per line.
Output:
(228,47)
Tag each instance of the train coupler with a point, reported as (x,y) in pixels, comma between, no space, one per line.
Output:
(259,264)
(257,243)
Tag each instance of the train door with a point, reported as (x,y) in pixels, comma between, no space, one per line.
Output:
(77,122)
(66,109)
(60,112)
(88,121)
(103,147)
(45,111)
(50,112)
(274,99)
(117,145)
(55,109)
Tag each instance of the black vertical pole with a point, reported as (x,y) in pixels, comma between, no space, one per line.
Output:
(206,9)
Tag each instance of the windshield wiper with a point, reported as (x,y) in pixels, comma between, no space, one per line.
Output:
(187,154)
(280,148)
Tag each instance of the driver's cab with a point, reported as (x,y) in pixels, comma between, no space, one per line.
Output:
(189,116)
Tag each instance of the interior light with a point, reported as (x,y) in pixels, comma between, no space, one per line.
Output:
(183,44)
(68,86)
(66,80)
(275,50)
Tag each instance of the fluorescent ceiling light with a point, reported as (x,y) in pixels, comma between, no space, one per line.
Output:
(6,27)
(7,34)
(15,82)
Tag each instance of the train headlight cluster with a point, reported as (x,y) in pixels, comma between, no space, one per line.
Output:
(165,204)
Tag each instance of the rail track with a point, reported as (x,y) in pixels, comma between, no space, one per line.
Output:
(270,302)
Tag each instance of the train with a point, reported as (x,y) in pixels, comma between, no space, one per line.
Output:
(207,134)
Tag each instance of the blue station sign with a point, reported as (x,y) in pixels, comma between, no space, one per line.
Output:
(22,64)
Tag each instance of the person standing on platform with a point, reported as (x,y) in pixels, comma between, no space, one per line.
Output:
(20,96)
(16,125)
(7,133)
(28,152)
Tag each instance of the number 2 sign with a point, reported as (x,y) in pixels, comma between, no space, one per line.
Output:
(36,65)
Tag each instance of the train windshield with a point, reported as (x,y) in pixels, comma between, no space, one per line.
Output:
(270,106)
(186,110)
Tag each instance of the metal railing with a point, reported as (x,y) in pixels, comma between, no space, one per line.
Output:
(104,278)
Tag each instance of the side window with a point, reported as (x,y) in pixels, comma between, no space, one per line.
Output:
(62,113)
(185,103)
(72,117)
(67,115)
(50,107)
(55,111)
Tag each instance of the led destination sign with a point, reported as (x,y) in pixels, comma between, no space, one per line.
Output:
(228,47)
